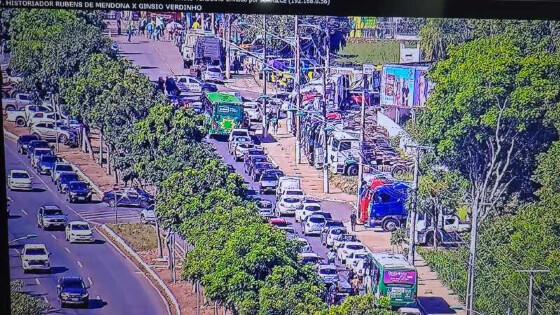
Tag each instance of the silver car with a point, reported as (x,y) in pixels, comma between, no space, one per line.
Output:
(314,225)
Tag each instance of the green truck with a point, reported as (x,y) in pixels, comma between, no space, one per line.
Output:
(223,112)
(392,276)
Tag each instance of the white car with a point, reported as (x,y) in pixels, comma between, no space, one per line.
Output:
(306,247)
(309,258)
(344,250)
(78,231)
(238,133)
(343,238)
(252,110)
(355,262)
(213,74)
(290,231)
(313,225)
(265,208)
(148,216)
(188,84)
(294,193)
(308,209)
(328,273)
(20,180)
(287,205)
(332,234)
(35,257)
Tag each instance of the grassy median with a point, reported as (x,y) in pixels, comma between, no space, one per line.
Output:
(141,237)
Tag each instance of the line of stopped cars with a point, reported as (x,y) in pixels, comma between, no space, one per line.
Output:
(291,200)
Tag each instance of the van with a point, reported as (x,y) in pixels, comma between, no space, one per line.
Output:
(286,182)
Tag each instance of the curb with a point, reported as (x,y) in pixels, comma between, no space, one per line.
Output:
(10,135)
(145,268)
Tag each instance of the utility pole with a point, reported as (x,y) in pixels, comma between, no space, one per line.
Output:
(297,82)
(158,233)
(412,230)
(227,38)
(531,273)
(472,256)
(325,73)
(54,101)
(213,21)
(264,117)
(197,297)
(362,139)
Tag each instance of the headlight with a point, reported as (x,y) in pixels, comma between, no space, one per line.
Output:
(64,294)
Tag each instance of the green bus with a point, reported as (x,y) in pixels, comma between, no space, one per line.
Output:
(392,276)
(223,112)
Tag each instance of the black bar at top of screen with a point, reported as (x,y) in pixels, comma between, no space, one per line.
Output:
(501,9)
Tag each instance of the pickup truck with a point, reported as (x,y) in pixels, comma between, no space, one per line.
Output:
(17,103)
(22,117)
(446,232)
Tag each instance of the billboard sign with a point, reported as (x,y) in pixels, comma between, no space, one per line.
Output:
(404,86)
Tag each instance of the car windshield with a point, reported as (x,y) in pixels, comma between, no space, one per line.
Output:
(53,212)
(239,133)
(69,177)
(317,220)
(263,165)
(269,177)
(20,175)
(215,70)
(313,208)
(347,238)
(41,151)
(64,168)
(337,232)
(292,200)
(78,186)
(48,159)
(310,260)
(256,152)
(80,227)
(328,271)
(355,247)
(259,159)
(73,284)
(294,192)
(264,205)
(35,251)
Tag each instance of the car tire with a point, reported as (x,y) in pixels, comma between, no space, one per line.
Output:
(20,122)
(63,139)
(390,225)
(352,170)
(10,107)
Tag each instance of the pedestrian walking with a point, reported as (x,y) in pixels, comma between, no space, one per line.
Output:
(274,121)
(353,221)
(129,29)
(118,26)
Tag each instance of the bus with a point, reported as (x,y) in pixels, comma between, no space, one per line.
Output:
(391,275)
(223,112)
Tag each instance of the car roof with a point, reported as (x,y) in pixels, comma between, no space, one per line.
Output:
(26,246)
(50,207)
(307,204)
(327,266)
(353,243)
(78,222)
(309,255)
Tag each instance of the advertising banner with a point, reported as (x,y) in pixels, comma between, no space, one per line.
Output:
(399,276)
(404,86)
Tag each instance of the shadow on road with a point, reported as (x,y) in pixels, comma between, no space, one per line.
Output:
(436,305)
(56,270)
(98,242)
(147,67)
(35,189)
(17,216)
(96,303)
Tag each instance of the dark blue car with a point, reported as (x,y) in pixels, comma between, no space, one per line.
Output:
(64,179)
(128,197)
(34,144)
(78,191)
(46,163)
(72,290)
(23,142)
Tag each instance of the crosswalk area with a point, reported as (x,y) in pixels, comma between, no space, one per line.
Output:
(103,214)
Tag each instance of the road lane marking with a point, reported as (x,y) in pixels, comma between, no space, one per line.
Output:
(89,280)
(17,251)
(54,236)
(80,264)
(37,281)
(46,299)
(24,212)
(66,249)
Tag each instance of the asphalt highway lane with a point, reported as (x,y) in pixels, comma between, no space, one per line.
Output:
(117,286)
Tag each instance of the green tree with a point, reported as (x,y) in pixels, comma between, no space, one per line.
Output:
(23,303)
(357,305)
(487,116)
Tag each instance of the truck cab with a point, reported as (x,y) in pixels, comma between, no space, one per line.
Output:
(343,149)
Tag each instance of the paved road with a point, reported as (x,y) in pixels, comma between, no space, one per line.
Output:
(117,285)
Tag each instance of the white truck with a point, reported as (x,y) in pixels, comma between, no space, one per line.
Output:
(200,48)
(288,183)
(19,102)
(22,117)
(445,232)
(343,152)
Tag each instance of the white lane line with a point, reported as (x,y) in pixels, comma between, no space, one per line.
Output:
(89,280)
(46,299)
(37,281)
(17,251)
(24,212)
(66,249)
(54,236)
(80,264)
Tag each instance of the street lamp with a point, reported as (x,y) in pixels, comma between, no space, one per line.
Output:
(28,236)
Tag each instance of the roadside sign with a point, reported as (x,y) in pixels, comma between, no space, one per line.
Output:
(368,69)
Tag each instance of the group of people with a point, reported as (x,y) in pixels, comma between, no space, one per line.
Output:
(153,28)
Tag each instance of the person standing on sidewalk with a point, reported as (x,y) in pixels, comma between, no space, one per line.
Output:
(353,221)
(274,121)
(129,29)
(119,26)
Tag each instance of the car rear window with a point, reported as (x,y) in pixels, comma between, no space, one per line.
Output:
(269,177)
(69,177)
(355,247)
(294,192)
(328,271)
(292,200)
(216,70)
(20,175)
(48,159)
(53,212)
(79,186)
(313,208)
(64,168)
(317,220)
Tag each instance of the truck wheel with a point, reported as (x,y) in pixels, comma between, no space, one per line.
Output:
(10,107)
(20,122)
(352,170)
(390,225)
(62,139)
